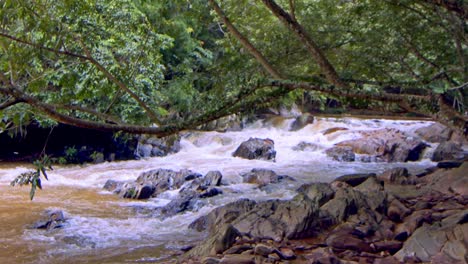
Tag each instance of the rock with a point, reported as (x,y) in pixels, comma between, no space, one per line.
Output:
(345,203)
(397,211)
(222,215)
(263,250)
(79,240)
(187,200)
(212,178)
(390,245)
(411,223)
(143,150)
(449,164)
(322,256)
(374,191)
(261,177)
(319,192)
(163,179)
(441,240)
(301,121)
(434,133)
(52,219)
(238,259)
(343,240)
(157,147)
(113,186)
(238,249)
(389,145)
(450,182)
(210,260)
(305,146)
(448,151)
(395,175)
(355,179)
(210,192)
(333,130)
(287,253)
(277,220)
(131,190)
(217,243)
(343,153)
(256,148)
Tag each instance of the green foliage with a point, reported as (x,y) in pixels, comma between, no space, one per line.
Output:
(33,177)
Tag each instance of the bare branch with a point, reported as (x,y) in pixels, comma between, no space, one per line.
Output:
(327,69)
(245,42)
(9,102)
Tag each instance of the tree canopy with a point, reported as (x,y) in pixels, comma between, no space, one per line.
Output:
(160,66)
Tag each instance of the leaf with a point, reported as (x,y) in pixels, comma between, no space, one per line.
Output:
(33,190)
(43,170)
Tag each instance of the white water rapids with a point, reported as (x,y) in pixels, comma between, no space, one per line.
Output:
(102,228)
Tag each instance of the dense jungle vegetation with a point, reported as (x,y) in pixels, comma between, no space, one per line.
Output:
(160,66)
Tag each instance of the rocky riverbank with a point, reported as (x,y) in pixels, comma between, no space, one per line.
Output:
(393,217)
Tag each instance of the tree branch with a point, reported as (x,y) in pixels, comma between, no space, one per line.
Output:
(9,102)
(245,42)
(456,6)
(327,69)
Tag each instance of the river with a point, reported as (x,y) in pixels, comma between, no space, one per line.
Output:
(101,228)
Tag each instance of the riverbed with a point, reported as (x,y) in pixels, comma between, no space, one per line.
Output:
(102,228)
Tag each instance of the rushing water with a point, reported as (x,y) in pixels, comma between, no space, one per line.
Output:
(102,228)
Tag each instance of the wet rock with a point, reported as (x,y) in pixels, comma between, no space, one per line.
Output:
(277,220)
(355,179)
(113,186)
(343,153)
(319,192)
(52,219)
(210,192)
(449,164)
(80,241)
(256,148)
(217,243)
(389,145)
(448,151)
(301,121)
(186,200)
(434,133)
(222,215)
(261,177)
(157,147)
(164,179)
(333,130)
(212,178)
(305,146)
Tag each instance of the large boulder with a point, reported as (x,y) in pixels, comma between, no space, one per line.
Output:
(448,151)
(355,179)
(164,179)
(435,133)
(390,145)
(278,220)
(187,200)
(441,242)
(318,192)
(222,215)
(217,243)
(256,148)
